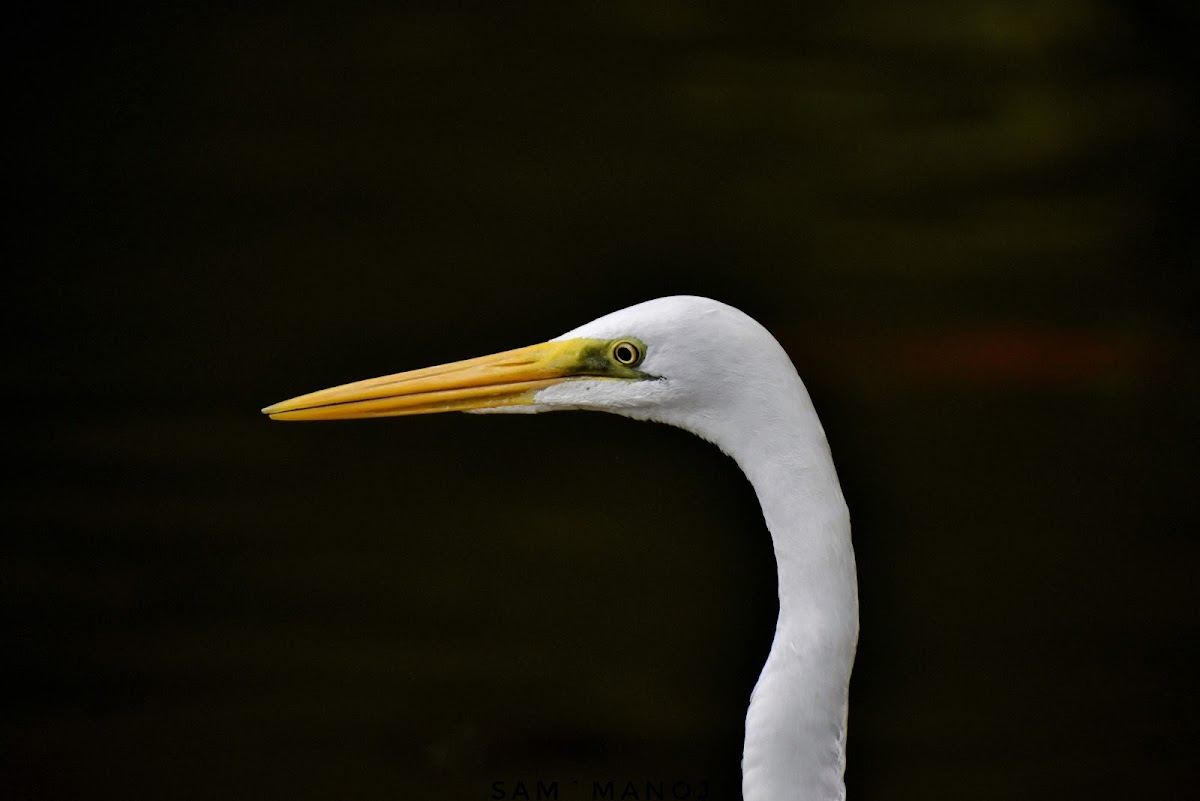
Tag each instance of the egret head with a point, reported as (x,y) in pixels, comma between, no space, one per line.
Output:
(680,360)
(708,368)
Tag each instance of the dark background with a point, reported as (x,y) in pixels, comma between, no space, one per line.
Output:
(967,221)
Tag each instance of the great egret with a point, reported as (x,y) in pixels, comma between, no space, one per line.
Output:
(712,370)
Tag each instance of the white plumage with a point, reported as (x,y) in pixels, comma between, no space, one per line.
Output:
(710,369)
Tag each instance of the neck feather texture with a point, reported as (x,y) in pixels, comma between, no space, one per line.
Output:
(796,723)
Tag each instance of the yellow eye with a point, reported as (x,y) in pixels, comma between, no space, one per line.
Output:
(626,353)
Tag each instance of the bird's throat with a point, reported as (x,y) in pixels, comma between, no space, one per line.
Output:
(796,723)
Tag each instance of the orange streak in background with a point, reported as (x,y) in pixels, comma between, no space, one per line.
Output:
(999,355)
(1024,355)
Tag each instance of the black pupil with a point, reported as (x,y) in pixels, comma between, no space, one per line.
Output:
(625,354)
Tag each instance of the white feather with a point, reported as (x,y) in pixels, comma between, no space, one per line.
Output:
(721,375)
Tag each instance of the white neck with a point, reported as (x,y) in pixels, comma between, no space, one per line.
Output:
(796,723)
(724,377)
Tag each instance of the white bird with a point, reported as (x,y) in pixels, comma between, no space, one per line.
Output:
(710,369)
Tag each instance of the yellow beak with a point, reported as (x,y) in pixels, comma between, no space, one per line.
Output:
(510,378)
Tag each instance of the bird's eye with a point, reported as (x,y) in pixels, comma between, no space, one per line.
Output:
(626,353)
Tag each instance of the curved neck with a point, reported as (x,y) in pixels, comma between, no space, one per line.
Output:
(796,723)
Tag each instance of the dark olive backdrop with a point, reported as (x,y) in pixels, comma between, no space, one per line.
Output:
(965,220)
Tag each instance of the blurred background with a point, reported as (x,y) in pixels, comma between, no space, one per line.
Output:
(966,221)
